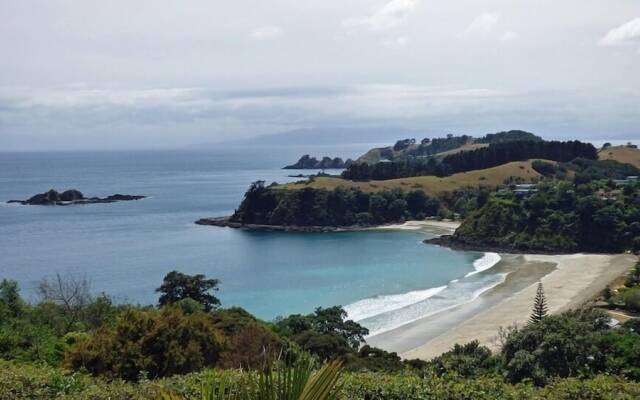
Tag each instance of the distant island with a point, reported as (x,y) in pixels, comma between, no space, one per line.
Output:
(308,162)
(70,197)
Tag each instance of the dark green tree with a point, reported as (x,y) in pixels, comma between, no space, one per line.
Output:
(10,298)
(540,308)
(177,286)
(333,320)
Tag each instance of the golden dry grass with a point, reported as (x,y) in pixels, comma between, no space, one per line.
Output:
(489,177)
(621,154)
(466,147)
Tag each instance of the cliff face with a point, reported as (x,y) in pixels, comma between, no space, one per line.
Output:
(308,162)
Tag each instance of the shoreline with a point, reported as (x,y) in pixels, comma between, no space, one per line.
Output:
(435,227)
(455,243)
(569,282)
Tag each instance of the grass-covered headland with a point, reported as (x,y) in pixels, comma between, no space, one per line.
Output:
(514,191)
(73,345)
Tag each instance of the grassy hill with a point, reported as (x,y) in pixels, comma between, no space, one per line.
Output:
(431,185)
(440,147)
(623,154)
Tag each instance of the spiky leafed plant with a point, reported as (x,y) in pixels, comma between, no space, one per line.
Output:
(540,308)
(287,383)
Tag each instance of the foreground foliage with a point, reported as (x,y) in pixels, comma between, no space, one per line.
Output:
(298,382)
(22,382)
(184,352)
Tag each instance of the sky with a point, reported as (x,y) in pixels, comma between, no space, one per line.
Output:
(131,74)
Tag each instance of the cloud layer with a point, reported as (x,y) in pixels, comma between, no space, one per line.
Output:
(123,74)
(482,24)
(167,117)
(390,15)
(623,34)
(266,32)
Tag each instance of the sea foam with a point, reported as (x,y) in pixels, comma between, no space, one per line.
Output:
(384,313)
(464,291)
(381,304)
(488,260)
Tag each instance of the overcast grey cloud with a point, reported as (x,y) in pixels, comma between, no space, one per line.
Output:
(89,74)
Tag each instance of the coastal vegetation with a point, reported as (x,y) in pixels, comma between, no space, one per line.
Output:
(573,201)
(308,162)
(627,296)
(596,216)
(580,205)
(407,149)
(493,155)
(177,351)
(490,178)
(339,207)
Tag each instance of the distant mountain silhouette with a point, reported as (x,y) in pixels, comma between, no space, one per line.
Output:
(330,136)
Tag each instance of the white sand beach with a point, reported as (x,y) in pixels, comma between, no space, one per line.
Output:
(573,280)
(444,227)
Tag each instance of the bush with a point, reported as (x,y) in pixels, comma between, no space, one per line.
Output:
(466,360)
(557,346)
(544,168)
(253,347)
(630,298)
(159,343)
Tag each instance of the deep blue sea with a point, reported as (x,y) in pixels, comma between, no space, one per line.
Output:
(384,278)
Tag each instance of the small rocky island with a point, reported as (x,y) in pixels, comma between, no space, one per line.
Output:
(72,196)
(308,162)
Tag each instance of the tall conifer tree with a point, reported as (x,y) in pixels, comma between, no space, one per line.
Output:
(539,306)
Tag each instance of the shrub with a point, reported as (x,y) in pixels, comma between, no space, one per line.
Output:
(557,346)
(159,343)
(466,360)
(253,347)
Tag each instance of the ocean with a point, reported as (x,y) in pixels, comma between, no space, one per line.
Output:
(384,279)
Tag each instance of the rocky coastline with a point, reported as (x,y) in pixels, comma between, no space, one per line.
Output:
(228,223)
(72,197)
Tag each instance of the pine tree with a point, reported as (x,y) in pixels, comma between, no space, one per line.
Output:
(539,306)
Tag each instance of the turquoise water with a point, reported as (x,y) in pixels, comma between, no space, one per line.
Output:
(124,249)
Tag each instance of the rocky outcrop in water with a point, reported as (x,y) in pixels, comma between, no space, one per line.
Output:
(72,196)
(308,162)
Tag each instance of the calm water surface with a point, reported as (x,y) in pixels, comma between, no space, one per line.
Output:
(126,248)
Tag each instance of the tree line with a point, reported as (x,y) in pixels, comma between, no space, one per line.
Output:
(339,207)
(498,153)
(596,216)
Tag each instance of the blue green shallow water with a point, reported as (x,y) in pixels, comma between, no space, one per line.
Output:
(384,278)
